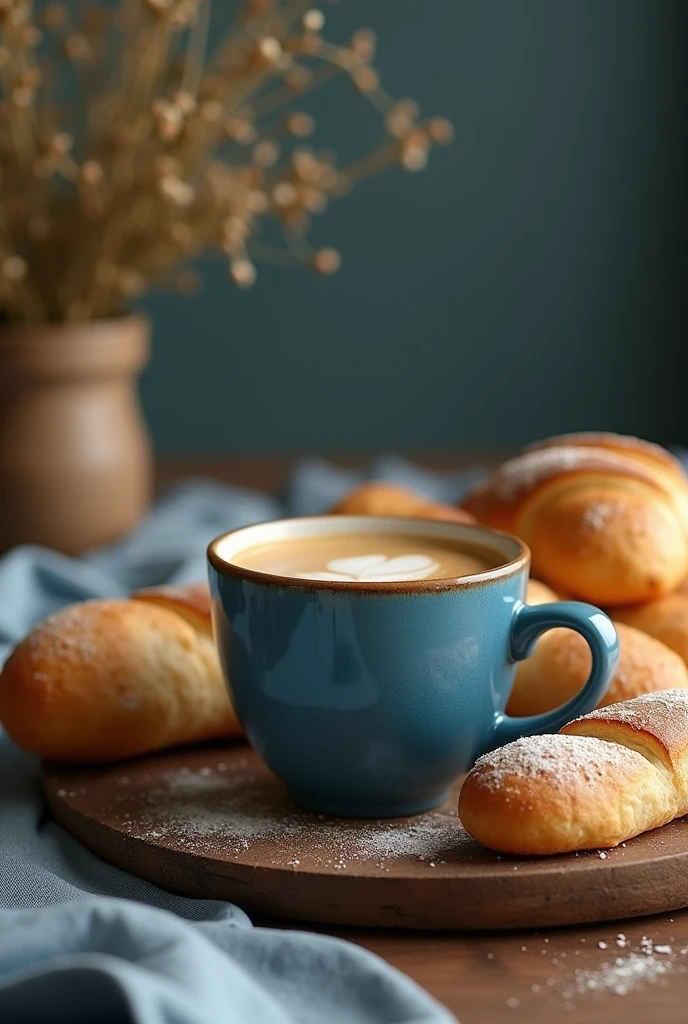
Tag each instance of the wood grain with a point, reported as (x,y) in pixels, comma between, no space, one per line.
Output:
(213,822)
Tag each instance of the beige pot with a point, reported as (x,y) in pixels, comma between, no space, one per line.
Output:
(75,456)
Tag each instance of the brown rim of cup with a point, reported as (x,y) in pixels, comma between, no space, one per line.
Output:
(225,567)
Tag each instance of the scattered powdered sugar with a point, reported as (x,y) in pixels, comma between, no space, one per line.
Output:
(184,783)
(598,513)
(193,807)
(557,758)
(425,840)
(623,975)
(647,964)
(241,813)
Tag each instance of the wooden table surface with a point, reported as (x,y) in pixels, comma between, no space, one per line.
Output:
(630,971)
(549,976)
(270,472)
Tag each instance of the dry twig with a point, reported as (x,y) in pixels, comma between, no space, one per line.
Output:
(178,144)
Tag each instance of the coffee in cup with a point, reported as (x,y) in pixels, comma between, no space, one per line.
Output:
(368,557)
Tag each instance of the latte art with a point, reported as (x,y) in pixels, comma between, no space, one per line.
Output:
(367,558)
(375,569)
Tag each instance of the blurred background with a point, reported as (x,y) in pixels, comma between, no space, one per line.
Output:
(531,280)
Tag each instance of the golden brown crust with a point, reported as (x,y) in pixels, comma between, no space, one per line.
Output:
(560,665)
(604,524)
(655,724)
(624,444)
(497,500)
(608,545)
(104,680)
(190,600)
(539,593)
(383,499)
(602,780)
(665,619)
(555,794)
(662,466)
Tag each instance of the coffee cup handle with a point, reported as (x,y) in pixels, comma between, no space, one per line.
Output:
(527,625)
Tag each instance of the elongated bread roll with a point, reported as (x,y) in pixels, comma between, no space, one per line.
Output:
(105,680)
(383,499)
(560,665)
(665,619)
(603,779)
(605,517)
(191,601)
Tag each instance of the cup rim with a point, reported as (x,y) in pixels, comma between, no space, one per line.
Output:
(224,566)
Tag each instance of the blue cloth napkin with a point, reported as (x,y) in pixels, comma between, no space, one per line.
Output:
(81,941)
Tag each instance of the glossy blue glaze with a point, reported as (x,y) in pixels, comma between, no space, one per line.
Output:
(371,704)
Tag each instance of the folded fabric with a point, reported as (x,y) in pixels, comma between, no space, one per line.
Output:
(81,941)
(109,960)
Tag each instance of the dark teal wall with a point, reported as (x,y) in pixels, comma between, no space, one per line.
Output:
(531,280)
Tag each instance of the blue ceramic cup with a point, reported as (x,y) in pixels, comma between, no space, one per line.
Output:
(369,699)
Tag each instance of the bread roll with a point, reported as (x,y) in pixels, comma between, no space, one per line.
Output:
(105,680)
(383,499)
(605,517)
(540,593)
(658,460)
(602,780)
(665,619)
(191,601)
(560,665)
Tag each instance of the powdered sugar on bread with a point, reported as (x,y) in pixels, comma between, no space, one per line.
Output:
(604,778)
(554,760)
(656,723)
(522,474)
(637,446)
(649,711)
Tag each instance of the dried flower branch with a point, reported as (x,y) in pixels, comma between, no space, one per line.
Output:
(179,144)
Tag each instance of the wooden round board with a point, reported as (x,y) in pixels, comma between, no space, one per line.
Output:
(213,822)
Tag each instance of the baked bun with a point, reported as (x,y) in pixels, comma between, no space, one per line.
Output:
(561,662)
(602,780)
(658,460)
(665,619)
(104,680)
(540,593)
(605,517)
(191,601)
(383,499)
